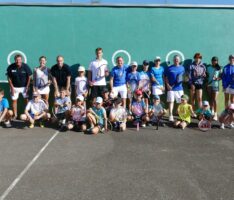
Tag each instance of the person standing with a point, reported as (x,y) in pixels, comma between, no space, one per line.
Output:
(213,77)
(228,81)
(118,80)
(42,79)
(98,71)
(61,76)
(19,77)
(197,74)
(174,79)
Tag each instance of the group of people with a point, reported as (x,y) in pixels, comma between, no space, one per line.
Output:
(131,95)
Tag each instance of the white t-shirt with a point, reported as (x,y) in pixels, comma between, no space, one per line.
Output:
(98,69)
(78,113)
(36,108)
(81,85)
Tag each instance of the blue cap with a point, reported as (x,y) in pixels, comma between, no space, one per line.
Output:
(145,62)
(156,97)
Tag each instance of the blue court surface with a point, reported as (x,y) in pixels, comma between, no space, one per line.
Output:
(168,164)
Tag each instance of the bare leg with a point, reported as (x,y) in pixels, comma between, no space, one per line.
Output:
(199,97)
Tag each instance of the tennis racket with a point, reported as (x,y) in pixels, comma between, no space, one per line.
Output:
(82,86)
(204,125)
(179,79)
(132,86)
(100,72)
(199,72)
(44,80)
(144,85)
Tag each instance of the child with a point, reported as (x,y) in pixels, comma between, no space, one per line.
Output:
(107,101)
(5,113)
(139,109)
(227,117)
(132,82)
(118,115)
(78,114)
(36,110)
(185,111)
(204,112)
(62,106)
(156,111)
(81,83)
(97,118)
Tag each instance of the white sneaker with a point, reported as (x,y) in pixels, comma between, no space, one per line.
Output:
(215,117)
(231,125)
(171,118)
(143,125)
(222,126)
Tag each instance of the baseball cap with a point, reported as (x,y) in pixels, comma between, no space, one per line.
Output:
(81,69)
(99,100)
(134,63)
(215,58)
(205,103)
(231,106)
(157,58)
(231,56)
(80,97)
(184,96)
(138,92)
(36,94)
(145,62)
(156,97)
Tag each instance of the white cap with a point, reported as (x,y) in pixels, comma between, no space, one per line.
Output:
(205,103)
(99,100)
(231,106)
(157,58)
(81,69)
(80,97)
(134,63)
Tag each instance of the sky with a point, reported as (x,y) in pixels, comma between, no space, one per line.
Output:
(203,2)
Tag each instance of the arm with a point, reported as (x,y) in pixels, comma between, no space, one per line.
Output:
(68,85)
(105,119)
(111,83)
(34,81)
(55,85)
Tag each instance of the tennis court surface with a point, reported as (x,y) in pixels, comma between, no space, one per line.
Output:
(168,164)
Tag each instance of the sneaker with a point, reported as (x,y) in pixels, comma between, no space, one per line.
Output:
(222,126)
(163,124)
(215,117)
(231,126)
(143,125)
(41,125)
(31,126)
(8,124)
(171,118)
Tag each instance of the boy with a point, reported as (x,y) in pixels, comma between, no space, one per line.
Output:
(139,109)
(185,111)
(204,112)
(96,117)
(36,110)
(78,115)
(156,111)
(62,107)
(118,115)
(227,117)
(5,113)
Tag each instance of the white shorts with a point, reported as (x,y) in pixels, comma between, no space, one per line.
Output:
(18,91)
(229,90)
(174,95)
(122,90)
(45,90)
(157,90)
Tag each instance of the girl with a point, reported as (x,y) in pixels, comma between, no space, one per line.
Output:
(81,84)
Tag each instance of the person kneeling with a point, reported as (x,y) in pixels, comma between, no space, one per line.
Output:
(227,117)
(36,110)
(139,110)
(97,118)
(78,115)
(5,113)
(118,115)
(185,111)
(204,112)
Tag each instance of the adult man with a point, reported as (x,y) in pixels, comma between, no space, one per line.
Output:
(174,78)
(97,74)
(118,80)
(61,76)
(228,81)
(19,76)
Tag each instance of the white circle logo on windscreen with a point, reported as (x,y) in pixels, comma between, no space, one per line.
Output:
(121,51)
(174,52)
(16,52)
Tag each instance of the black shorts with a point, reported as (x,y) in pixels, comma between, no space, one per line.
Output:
(96,91)
(146,94)
(197,86)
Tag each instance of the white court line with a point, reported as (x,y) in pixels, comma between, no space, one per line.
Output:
(18,178)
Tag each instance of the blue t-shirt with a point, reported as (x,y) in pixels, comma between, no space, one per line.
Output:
(133,76)
(158,74)
(144,75)
(100,113)
(4,104)
(174,75)
(119,75)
